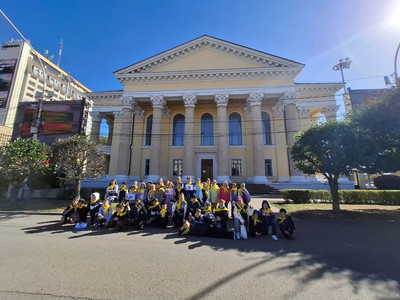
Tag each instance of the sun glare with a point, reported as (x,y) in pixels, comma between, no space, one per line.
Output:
(393,19)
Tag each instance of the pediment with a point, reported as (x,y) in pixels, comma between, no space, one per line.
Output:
(205,54)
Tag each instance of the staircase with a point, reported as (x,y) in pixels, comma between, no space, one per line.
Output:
(260,189)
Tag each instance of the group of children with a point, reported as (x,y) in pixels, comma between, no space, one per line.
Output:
(200,209)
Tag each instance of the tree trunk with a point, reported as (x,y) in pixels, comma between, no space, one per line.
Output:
(77,188)
(334,187)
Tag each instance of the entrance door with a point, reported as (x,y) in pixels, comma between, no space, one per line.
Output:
(206,169)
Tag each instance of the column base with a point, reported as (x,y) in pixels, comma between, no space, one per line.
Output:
(221,179)
(153,178)
(297,179)
(258,180)
(283,179)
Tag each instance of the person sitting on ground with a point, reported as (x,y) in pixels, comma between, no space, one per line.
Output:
(138,215)
(80,212)
(240,217)
(123,191)
(178,211)
(192,205)
(105,214)
(207,211)
(286,224)
(94,206)
(221,215)
(119,219)
(164,215)
(255,225)
(68,213)
(153,213)
(268,219)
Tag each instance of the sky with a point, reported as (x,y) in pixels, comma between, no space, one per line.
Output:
(100,37)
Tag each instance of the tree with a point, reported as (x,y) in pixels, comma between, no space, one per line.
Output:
(77,158)
(380,121)
(333,148)
(19,158)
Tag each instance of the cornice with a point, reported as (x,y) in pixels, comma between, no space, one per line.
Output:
(105,96)
(209,75)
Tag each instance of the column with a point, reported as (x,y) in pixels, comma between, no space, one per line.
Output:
(158,103)
(125,140)
(117,125)
(96,121)
(254,102)
(292,127)
(110,124)
(223,165)
(188,150)
(138,138)
(282,159)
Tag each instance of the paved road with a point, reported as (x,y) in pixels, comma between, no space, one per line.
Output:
(40,259)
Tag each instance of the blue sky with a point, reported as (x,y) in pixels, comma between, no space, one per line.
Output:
(101,37)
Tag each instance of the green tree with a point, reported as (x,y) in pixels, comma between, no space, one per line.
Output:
(77,158)
(18,158)
(380,121)
(333,148)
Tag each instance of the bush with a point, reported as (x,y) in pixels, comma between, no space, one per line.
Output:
(387,182)
(321,196)
(297,196)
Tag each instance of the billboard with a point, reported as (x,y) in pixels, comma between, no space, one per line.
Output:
(60,119)
(7,67)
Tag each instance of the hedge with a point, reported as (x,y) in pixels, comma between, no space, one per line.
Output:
(346,196)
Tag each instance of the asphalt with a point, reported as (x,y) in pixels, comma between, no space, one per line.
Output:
(330,259)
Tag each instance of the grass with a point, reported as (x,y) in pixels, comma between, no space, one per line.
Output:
(348,211)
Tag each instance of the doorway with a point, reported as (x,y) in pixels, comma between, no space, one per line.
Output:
(206,169)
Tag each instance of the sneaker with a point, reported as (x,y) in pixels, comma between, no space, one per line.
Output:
(237,236)
(274,238)
(234,236)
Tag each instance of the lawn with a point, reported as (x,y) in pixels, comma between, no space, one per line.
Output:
(348,211)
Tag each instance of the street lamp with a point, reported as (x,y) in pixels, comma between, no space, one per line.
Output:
(343,64)
(34,130)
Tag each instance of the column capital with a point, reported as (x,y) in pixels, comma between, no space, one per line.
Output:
(330,111)
(158,101)
(189,100)
(221,99)
(128,102)
(303,110)
(255,99)
(96,116)
(289,98)
(118,115)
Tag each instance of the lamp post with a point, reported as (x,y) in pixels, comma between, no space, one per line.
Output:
(343,64)
(34,130)
(396,78)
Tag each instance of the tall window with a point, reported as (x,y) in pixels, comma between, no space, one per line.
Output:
(207,129)
(177,167)
(235,129)
(149,125)
(146,167)
(268,167)
(236,167)
(266,127)
(178,130)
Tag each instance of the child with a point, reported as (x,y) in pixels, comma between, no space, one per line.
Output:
(199,190)
(81,212)
(169,196)
(119,219)
(112,191)
(221,215)
(213,195)
(123,191)
(286,224)
(191,207)
(68,213)
(178,211)
(268,219)
(105,214)
(244,193)
(94,206)
(178,190)
(240,217)
(207,212)
(138,215)
(189,188)
(153,213)
(255,225)
(164,215)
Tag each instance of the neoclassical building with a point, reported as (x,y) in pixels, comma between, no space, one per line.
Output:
(209,109)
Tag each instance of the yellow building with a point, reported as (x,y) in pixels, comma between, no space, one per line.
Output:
(22,79)
(209,109)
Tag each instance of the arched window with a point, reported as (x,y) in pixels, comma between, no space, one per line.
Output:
(235,129)
(178,132)
(149,125)
(207,130)
(266,127)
